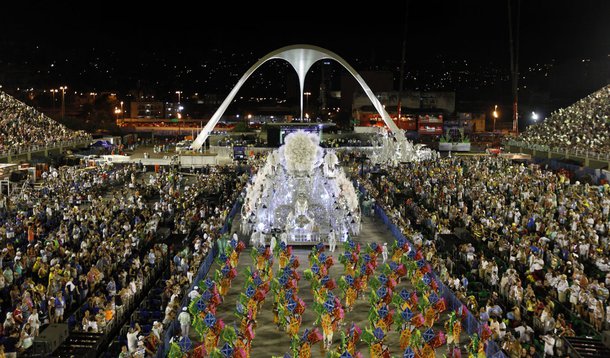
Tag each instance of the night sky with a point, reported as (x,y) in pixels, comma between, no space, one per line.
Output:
(549,28)
(43,31)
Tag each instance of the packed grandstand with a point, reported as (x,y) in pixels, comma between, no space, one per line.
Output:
(22,127)
(583,126)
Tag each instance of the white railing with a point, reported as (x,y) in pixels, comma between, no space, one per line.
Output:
(563,151)
(20,150)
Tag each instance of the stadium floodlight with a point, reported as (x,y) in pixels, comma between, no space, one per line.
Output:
(535,117)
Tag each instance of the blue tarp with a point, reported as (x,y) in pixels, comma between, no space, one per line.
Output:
(102,143)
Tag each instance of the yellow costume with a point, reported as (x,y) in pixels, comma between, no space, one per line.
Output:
(283,260)
(457,330)
(240,343)
(276,316)
(210,341)
(349,270)
(350,297)
(376,350)
(253,306)
(381,324)
(405,338)
(429,317)
(481,351)
(428,352)
(351,347)
(260,262)
(224,286)
(295,324)
(327,324)
(365,284)
(305,351)
(397,255)
(234,258)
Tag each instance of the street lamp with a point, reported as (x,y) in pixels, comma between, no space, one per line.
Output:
(117,112)
(495,115)
(178,108)
(63,94)
(53,91)
(122,113)
(306,94)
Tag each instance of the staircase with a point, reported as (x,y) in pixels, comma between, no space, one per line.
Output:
(79,344)
(586,347)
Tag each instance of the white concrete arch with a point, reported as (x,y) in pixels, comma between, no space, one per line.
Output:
(301,57)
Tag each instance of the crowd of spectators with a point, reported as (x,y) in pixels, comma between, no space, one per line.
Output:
(583,126)
(538,242)
(201,223)
(21,127)
(348,142)
(241,141)
(57,243)
(82,243)
(326,142)
(199,208)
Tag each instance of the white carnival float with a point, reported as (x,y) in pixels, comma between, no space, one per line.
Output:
(394,148)
(301,194)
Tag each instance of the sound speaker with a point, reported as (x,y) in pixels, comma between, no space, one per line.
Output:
(606,338)
(18,175)
(273,137)
(51,338)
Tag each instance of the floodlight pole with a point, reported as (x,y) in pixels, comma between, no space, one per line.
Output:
(514,61)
